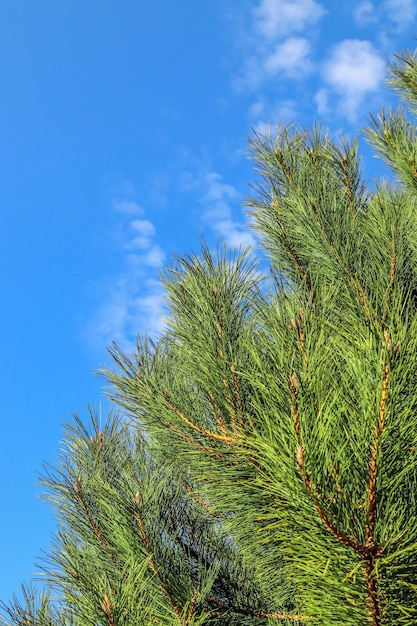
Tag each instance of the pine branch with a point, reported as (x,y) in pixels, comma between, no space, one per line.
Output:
(254,613)
(92,524)
(202,431)
(150,560)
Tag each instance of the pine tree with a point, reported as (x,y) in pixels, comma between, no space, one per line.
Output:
(263,468)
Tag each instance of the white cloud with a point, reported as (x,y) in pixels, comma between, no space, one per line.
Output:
(322,101)
(154,257)
(234,234)
(401,12)
(257,108)
(265,115)
(263,128)
(150,307)
(128,208)
(143,231)
(290,57)
(354,70)
(279,18)
(217,199)
(130,301)
(143,227)
(214,189)
(365,13)
(138,243)
(278,41)
(397,13)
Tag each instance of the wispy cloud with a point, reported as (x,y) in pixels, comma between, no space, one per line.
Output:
(365,13)
(322,102)
(126,207)
(401,12)
(277,42)
(264,115)
(282,51)
(131,300)
(219,202)
(290,57)
(354,70)
(276,19)
(279,49)
(391,15)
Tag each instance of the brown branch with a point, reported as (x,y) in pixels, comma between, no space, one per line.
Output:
(345,269)
(238,396)
(367,551)
(293,381)
(220,421)
(348,187)
(374,451)
(280,159)
(220,338)
(296,324)
(201,502)
(342,537)
(362,297)
(300,456)
(219,418)
(151,563)
(390,284)
(355,283)
(295,259)
(193,442)
(107,608)
(254,613)
(93,525)
(372,592)
(413,166)
(372,491)
(336,474)
(202,431)
(412,84)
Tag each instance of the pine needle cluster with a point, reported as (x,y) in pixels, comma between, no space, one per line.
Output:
(263,467)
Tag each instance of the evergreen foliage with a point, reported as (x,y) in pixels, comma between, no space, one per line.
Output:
(264,467)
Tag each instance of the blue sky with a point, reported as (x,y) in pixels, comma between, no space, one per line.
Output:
(123,136)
